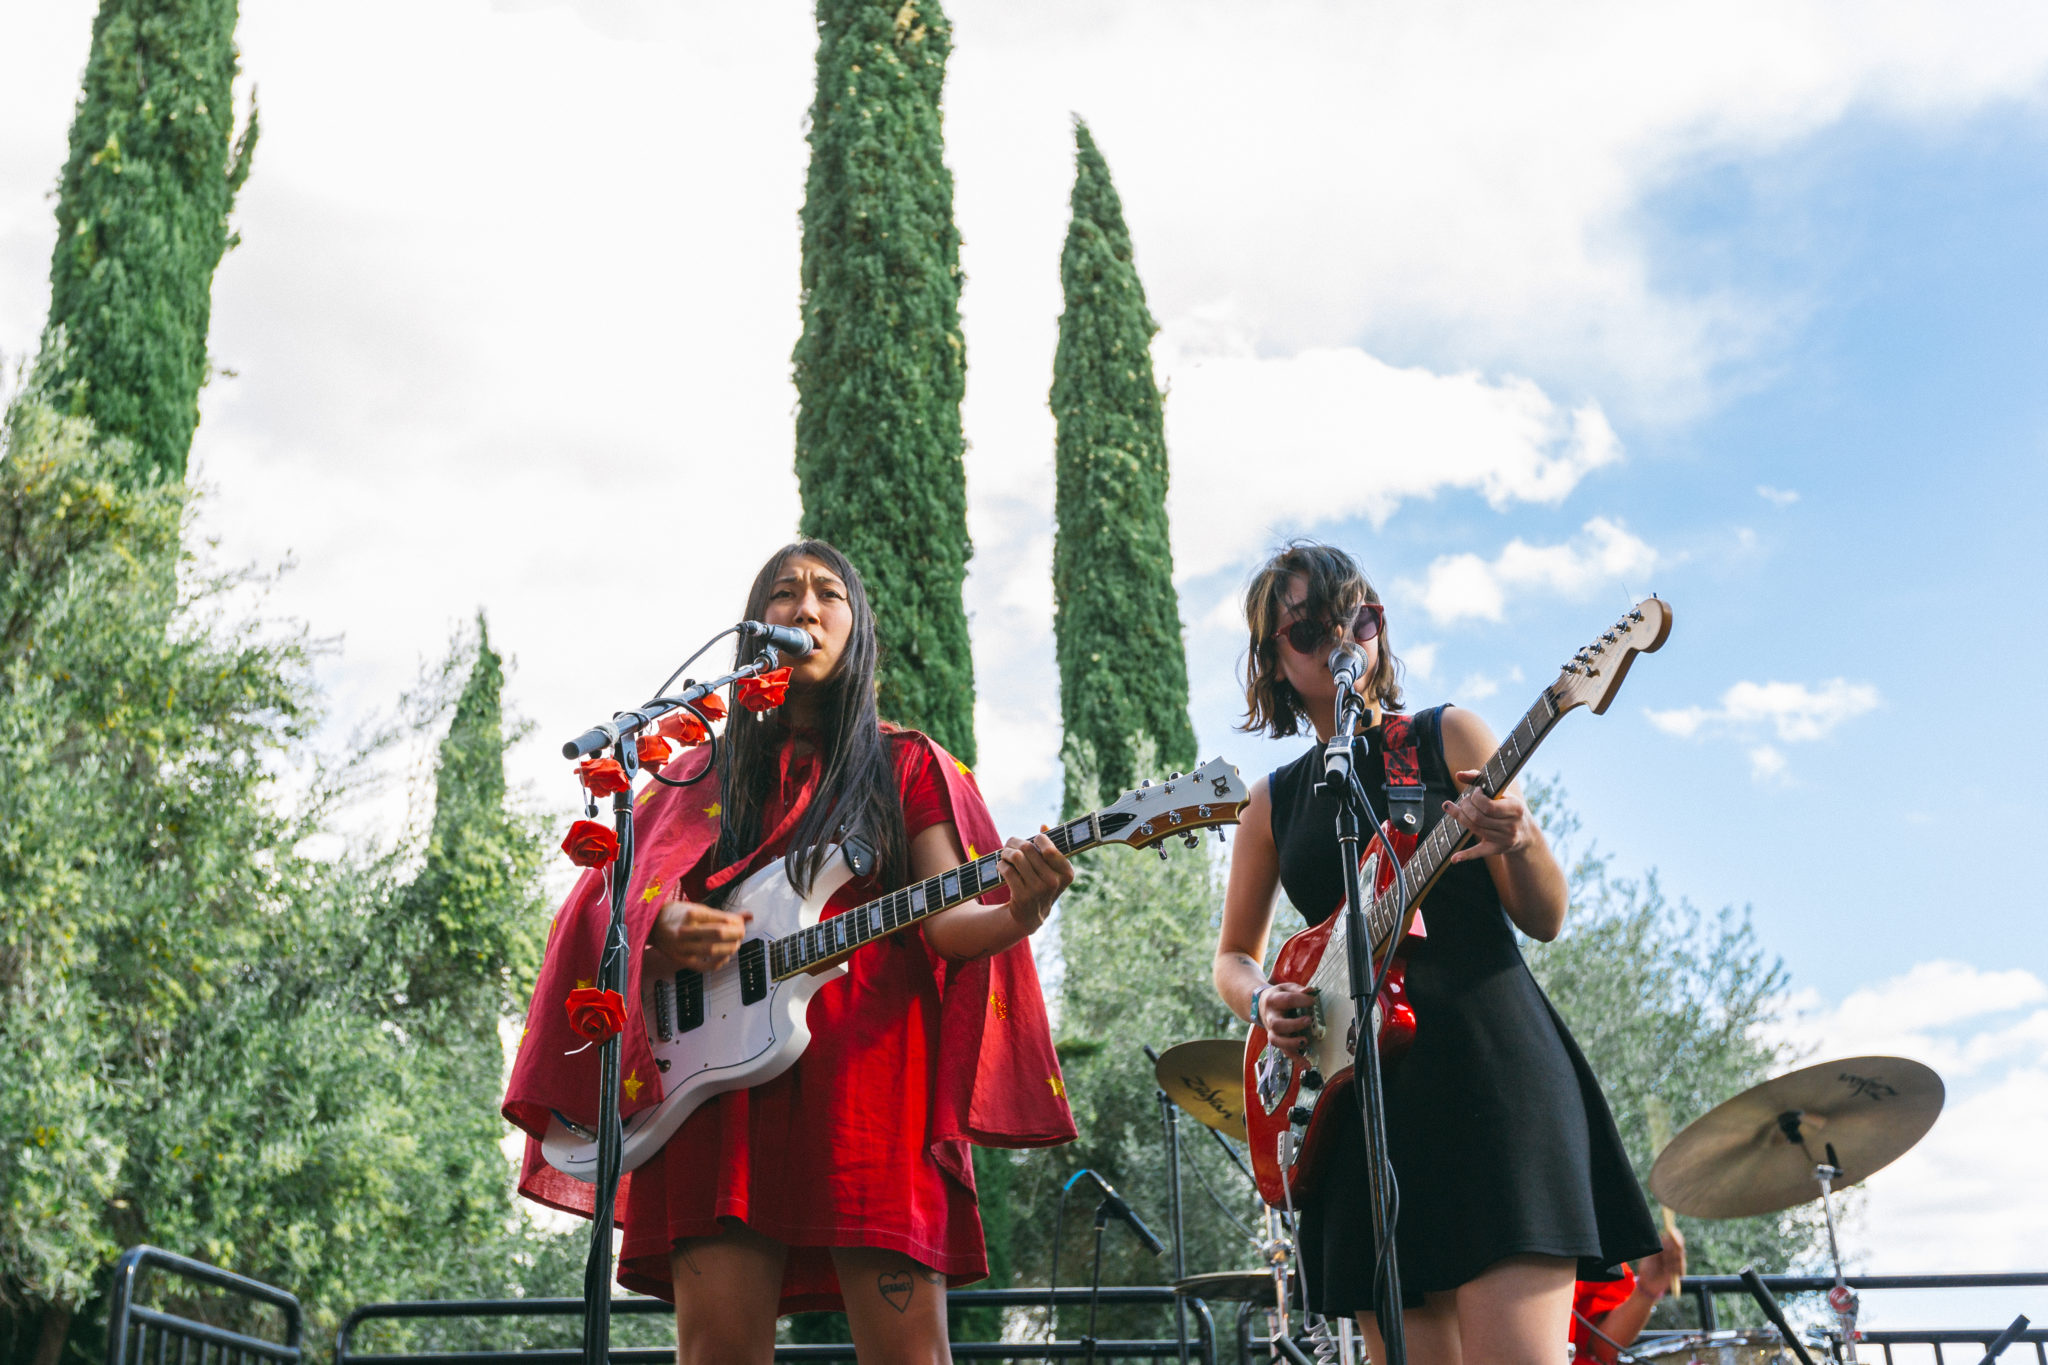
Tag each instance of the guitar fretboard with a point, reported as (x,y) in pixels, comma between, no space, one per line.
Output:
(842,933)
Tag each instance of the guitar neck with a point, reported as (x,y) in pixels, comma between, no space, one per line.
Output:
(831,939)
(1389,917)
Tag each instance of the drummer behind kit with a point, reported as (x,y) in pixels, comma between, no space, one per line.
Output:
(1802,1136)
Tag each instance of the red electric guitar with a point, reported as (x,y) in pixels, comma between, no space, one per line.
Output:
(1287,1102)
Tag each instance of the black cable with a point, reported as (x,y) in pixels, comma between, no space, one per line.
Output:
(1221,1207)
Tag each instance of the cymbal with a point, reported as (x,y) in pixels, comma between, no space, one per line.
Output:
(1247,1286)
(1756,1153)
(1206,1078)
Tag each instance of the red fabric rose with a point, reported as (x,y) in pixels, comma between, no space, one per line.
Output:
(590,844)
(603,776)
(685,729)
(596,1014)
(655,751)
(765,691)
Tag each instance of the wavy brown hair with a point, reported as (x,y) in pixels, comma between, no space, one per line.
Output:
(857,790)
(1335,589)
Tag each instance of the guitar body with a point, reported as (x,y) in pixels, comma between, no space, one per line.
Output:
(1287,1118)
(720,1030)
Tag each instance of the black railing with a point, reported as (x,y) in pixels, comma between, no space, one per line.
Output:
(147,1336)
(1202,1348)
(138,1335)
(1704,1289)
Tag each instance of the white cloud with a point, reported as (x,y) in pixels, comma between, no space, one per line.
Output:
(1766,763)
(1263,446)
(1777,497)
(1794,712)
(1463,586)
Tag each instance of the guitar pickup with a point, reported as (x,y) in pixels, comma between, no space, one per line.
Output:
(753,972)
(689,997)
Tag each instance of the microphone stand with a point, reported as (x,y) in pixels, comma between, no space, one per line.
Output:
(622,734)
(1353,803)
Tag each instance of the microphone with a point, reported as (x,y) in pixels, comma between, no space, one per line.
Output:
(1346,666)
(1113,1203)
(786,640)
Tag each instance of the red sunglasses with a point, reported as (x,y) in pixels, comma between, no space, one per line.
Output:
(1307,635)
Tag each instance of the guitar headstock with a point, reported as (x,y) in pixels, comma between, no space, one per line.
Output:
(1206,798)
(1594,675)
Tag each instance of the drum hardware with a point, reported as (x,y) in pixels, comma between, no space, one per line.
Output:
(1754,1154)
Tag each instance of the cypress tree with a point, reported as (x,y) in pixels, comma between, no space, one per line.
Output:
(142,220)
(471,911)
(880,367)
(1123,668)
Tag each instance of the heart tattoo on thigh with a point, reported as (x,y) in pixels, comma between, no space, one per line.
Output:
(896,1289)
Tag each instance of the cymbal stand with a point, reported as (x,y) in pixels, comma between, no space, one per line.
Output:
(1842,1301)
(1277,1251)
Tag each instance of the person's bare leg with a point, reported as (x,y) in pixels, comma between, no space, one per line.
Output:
(895,1306)
(1518,1311)
(1431,1333)
(727,1290)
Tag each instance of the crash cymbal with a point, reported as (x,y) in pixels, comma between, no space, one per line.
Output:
(1206,1078)
(1237,1286)
(1757,1153)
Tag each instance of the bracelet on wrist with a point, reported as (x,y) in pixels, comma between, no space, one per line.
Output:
(1257,991)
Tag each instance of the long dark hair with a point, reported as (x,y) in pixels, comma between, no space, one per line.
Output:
(857,789)
(1334,587)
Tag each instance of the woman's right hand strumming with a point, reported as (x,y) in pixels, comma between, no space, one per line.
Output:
(696,936)
(1286,1010)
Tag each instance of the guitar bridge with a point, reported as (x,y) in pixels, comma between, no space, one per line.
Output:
(753,973)
(664,1010)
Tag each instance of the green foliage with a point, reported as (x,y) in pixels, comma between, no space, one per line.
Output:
(1674,1005)
(218,1039)
(1136,937)
(1112,555)
(880,367)
(142,220)
(470,915)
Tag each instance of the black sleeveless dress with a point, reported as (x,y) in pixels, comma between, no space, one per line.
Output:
(1502,1144)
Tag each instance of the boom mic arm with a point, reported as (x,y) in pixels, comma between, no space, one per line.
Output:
(1113,1205)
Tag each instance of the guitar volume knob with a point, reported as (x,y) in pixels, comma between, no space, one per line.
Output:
(1312,1079)
(1299,1115)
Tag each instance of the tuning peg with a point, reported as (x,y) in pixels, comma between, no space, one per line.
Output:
(1192,839)
(1161,847)
(1219,835)
(1146,783)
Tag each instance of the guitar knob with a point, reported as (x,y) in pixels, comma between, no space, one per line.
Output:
(1312,1079)
(1299,1115)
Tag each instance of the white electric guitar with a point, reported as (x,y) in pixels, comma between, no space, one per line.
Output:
(745,1023)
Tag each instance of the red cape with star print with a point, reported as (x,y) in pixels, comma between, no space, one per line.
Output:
(998,1083)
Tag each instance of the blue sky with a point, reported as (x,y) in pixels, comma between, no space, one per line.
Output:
(1533,307)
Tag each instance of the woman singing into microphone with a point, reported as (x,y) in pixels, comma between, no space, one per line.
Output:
(1511,1177)
(845,1181)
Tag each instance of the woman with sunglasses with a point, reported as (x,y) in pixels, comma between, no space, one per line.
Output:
(1512,1179)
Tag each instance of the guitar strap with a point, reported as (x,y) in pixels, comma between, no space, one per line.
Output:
(1406,794)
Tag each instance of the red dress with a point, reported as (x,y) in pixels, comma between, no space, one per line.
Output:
(833,1152)
(866,1140)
